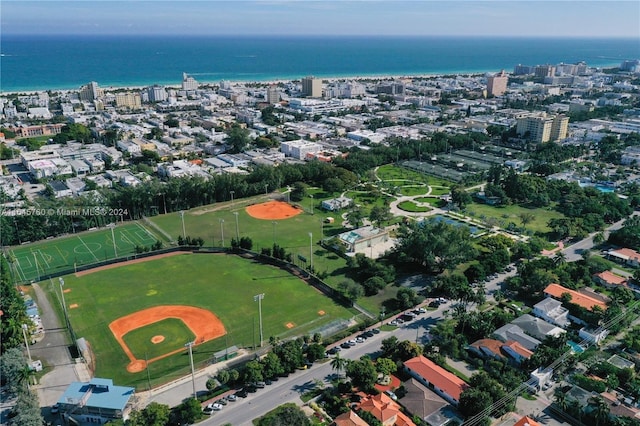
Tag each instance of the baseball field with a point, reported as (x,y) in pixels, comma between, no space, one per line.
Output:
(137,317)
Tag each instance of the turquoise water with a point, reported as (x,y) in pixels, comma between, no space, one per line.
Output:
(603,188)
(67,62)
(575,347)
(439,218)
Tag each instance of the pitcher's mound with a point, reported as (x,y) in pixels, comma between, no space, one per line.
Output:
(273,210)
(157,339)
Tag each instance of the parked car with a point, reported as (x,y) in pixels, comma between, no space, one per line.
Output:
(369,333)
(345,345)
(375,330)
(359,340)
(231,397)
(55,408)
(260,385)
(221,401)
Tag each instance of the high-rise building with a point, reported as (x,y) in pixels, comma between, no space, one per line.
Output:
(497,84)
(157,93)
(128,100)
(90,92)
(542,71)
(541,127)
(188,82)
(522,69)
(273,94)
(312,87)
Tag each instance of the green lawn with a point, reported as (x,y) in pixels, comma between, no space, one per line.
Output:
(410,206)
(411,190)
(223,284)
(505,214)
(436,202)
(399,175)
(32,261)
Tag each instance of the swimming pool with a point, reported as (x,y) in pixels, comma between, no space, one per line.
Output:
(575,347)
(450,221)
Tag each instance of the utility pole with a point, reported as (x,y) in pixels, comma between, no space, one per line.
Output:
(193,372)
(258,298)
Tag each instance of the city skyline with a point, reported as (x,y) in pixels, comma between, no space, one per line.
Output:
(529,18)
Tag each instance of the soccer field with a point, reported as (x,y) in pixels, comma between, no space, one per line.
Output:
(224,285)
(33,261)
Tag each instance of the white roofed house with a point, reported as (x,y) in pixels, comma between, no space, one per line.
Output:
(551,310)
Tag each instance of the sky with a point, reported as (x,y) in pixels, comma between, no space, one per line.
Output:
(509,18)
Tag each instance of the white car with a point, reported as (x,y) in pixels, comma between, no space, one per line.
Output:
(214,406)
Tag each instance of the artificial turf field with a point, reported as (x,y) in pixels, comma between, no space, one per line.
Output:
(224,284)
(31,261)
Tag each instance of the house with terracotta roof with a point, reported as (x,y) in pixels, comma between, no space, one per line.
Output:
(610,280)
(511,332)
(386,410)
(580,298)
(446,384)
(487,348)
(350,418)
(516,351)
(526,421)
(625,255)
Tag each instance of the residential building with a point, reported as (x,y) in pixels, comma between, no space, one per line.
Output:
(537,327)
(350,418)
(23,131)
(446,384)
(188,82)
(542,71)
(426,404)
(625,255)
(516,351)
(542,127)
(487,348)
(527,421)
(609,279)
(509,332)
(577,298)
(551,310)
(157,93)
(273,94)
(128,100)
(497,84)
(97,401)
(385,409)
(591,335)
(90,92)
(299,148)
(312,87)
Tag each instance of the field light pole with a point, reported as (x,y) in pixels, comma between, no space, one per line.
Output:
(193,373)
(64,304)
(232,192)
(184,232)
(311,195)
(222,230)
(258,298)
(311,249)
(113,238)
(237,228)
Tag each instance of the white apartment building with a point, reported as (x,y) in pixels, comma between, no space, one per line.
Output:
(299,148)
(542,127)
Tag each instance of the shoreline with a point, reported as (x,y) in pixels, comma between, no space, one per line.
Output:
(269,80)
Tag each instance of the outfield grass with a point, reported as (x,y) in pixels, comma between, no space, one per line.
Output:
(511,213)
(223,284)
(31,261)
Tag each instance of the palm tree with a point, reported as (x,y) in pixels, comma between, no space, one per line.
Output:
(601,410)
(526,218)
(338,363)
(560,258)
(560,399)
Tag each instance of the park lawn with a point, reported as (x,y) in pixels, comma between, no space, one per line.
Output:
(32,261)
(439,190)
(172,330)
(224,284)
(505,214)
(410,206)
(436,202)
(391,172)
(412,190)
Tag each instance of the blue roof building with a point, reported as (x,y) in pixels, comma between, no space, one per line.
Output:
(95,402)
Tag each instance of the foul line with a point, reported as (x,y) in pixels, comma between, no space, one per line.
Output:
(88,249)
(43,258)
(24,277)
(151,235)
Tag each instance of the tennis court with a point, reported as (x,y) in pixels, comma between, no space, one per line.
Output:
(32,261)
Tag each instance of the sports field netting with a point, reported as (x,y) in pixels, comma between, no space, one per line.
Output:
(30,262)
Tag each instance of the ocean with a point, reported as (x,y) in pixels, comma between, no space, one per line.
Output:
(30,63)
